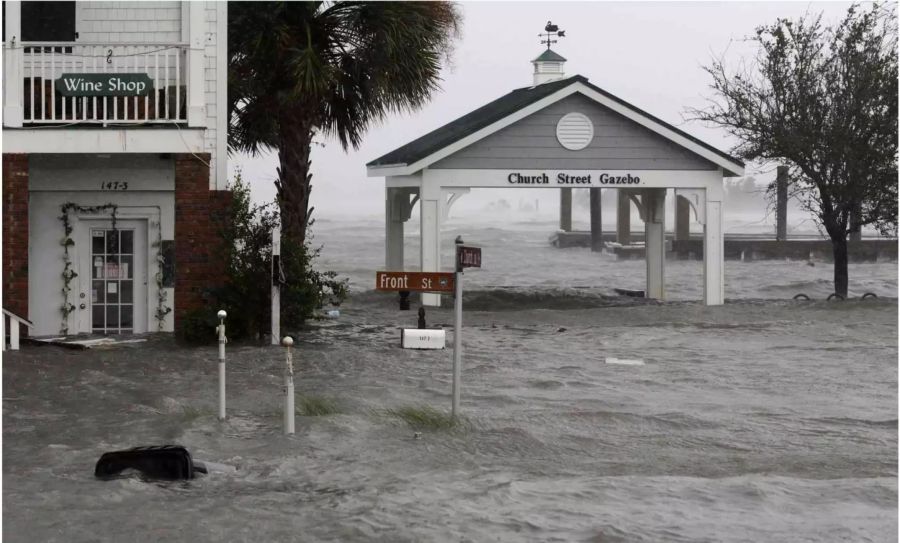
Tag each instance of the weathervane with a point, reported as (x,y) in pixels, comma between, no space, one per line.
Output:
(551,31)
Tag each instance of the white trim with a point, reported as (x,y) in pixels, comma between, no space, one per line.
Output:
(185,20)
(196,93)
(575,87)
(104,140)
(13,58)
(222,95)
(396,181)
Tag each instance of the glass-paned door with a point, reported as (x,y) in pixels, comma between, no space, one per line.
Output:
(112,281)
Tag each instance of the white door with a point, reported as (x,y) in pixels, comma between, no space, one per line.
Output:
(113,268)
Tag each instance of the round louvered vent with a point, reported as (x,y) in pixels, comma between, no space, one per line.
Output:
(574,131)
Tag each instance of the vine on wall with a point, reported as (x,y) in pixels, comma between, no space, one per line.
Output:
(69,272)
(161,295)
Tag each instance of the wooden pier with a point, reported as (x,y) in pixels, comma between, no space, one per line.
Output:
(744,247)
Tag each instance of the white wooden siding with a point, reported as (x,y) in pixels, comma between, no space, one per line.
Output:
(132,22)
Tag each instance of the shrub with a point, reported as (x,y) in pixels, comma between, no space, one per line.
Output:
(246,295)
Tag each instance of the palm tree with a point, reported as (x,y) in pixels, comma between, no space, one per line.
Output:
(302,69)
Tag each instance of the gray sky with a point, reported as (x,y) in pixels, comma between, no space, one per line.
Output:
(647,53)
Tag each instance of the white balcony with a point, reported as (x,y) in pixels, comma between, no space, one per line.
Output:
(43,63)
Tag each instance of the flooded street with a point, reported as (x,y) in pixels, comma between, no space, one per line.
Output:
(760,420)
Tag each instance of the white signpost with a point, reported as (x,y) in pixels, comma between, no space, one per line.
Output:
(288,342)
(466,257)
(220,330)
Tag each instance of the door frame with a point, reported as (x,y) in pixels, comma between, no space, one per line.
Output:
(145,289)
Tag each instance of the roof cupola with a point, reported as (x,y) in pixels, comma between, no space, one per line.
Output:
(549,65)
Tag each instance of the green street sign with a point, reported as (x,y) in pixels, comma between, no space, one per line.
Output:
(104,85)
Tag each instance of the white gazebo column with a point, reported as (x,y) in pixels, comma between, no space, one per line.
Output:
(713,250)
(430,228)
(654,203)
(393,231)
(397,211)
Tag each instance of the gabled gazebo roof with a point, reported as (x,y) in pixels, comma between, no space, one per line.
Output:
(429,145)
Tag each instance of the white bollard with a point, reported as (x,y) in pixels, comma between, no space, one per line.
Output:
(222,340)
(288,342)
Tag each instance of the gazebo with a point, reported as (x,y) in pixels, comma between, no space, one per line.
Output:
(561,132)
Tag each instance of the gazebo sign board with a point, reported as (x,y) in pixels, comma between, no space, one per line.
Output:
(93,84)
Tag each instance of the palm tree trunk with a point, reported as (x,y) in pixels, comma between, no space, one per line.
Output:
(293,184)
(839,248)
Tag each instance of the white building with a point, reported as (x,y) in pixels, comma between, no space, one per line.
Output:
(114,162)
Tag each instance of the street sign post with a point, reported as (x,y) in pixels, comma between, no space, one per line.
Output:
(414,281)
(468,257)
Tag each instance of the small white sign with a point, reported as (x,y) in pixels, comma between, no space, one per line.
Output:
(414,338)
(112,288)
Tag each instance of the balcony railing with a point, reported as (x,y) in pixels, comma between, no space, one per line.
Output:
(45,62)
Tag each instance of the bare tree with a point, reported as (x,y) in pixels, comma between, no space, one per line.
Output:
(823,100)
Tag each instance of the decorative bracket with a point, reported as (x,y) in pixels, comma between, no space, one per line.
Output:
(455,193)
(402,205)
(695,198)
(646,202)
(634,196)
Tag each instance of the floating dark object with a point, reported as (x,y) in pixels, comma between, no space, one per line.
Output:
(869,295)
(155,462)
(801,296)
(404,300)
(628,292)
(833,296)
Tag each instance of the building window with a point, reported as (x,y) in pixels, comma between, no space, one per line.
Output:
(47,21)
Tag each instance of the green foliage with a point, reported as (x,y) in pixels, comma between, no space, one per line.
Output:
(424,417)
(246,294)
(823,101)
(316,406)
(198,326)
(299,70)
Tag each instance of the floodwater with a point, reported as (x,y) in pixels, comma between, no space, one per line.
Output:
(761,420)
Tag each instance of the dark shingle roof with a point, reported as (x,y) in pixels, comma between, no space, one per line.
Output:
(500,108)
(549,56)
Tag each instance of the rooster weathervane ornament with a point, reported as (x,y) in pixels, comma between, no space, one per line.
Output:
(551,31)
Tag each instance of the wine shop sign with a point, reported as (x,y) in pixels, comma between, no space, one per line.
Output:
(131,84)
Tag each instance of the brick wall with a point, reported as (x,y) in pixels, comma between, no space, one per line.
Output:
(15,233)
(198,262)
